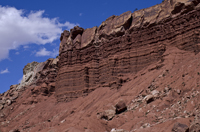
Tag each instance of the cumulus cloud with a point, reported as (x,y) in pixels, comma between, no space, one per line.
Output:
(4,71)
(45,52)
(25,46)
(18,28)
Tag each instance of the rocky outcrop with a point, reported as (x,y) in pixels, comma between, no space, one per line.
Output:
(36,73)
(124,44)
(137,72)
(29,72)
(39,77)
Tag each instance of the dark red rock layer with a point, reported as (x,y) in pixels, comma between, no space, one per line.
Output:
(107,58)
(81,70)
(143,69)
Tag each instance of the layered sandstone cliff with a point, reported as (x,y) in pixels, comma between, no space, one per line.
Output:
(103,55)
(136,72)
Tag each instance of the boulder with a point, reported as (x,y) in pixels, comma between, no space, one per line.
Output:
(120,107)
(107,114)
(178,127)
(149,99)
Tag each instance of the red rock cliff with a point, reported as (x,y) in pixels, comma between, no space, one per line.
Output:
(102,56)
(137,72)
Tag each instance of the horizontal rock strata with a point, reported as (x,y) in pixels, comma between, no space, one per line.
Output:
(124,44)
(143,68)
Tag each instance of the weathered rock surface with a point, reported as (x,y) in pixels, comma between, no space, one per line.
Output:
(124,44)
(29,73)
(137,72)
(178,127)
(39,78)
(88,36)
(76,31)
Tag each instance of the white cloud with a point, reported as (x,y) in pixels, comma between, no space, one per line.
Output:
(45,52)
(80,14)
(18,28)
(26,47)
(4,71)
(17,53)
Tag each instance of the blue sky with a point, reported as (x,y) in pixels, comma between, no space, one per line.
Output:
(30,30)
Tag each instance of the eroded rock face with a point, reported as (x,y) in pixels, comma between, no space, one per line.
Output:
(134,57)
(34,73)
(115,25)
(38,77)
(75,31)
(63,38)
(88,36)
(29,73)
(164,11)
(77,41)
(124,44)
